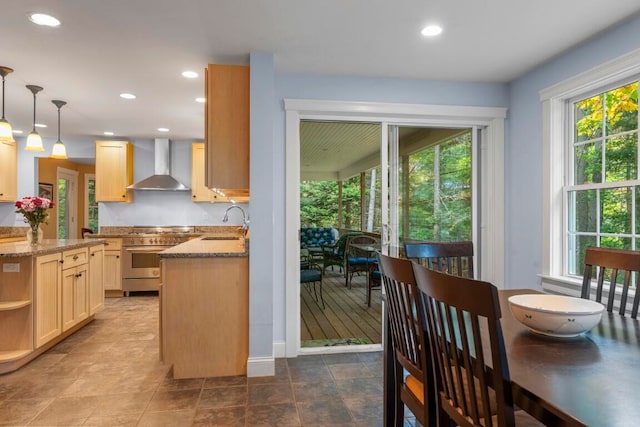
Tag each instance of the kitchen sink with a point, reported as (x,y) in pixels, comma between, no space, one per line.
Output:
(221,238)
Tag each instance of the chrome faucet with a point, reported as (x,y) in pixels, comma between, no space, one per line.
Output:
(245,220)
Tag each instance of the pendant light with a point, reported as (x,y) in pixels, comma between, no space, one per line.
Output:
(6,133)
(34,141)
(59,151)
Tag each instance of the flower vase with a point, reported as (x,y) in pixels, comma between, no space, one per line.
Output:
(34,235)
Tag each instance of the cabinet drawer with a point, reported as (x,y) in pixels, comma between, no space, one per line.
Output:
(113,244)
(74,257)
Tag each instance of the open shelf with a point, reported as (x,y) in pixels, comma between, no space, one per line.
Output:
(13,305)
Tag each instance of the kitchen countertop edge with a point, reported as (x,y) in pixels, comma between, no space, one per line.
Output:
(48,246)
(194,249)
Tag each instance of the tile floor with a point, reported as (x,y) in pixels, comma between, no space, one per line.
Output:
(108,374)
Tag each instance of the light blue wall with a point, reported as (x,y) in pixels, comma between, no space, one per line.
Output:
(523,154)
(347,89)
(148,208)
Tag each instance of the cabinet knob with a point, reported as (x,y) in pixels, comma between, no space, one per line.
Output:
(93,254)
(123,196)
(194,196)
(75,257)
(117,256)
(61,261)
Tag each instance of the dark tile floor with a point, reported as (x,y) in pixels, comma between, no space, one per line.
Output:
(108,374)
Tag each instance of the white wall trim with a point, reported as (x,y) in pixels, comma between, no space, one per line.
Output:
(609,72)
(261,367)
(279,349)
(492,179)
(555,153)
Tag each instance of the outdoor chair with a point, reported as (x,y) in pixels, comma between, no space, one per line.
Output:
(310,275)
(358,260)
(334,255)
(613,266)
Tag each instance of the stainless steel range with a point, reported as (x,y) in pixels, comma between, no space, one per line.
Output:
(140,260)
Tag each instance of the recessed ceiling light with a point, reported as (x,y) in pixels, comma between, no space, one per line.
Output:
(189,74)
(163,129)
(40,125)
(17,131)
(108,133)
(127,96)
(201,100)
(44,19)
(431,30)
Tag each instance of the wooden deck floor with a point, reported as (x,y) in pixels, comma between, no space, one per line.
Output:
(346,314)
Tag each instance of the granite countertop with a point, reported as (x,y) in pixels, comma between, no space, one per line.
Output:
(201,247)
(18,249)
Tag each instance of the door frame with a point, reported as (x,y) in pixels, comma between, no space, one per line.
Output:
(491,119)
(72,202)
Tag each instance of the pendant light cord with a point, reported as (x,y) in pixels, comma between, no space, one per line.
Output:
(34,111)
(3,97)
(58,124)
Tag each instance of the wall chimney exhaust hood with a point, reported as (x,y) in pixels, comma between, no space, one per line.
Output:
(162,180)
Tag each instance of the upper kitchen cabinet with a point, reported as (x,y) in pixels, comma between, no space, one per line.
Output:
(227,129)
(8,171)
(199,191)
(114,171)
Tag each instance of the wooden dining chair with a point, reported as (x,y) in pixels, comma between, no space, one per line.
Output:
(406,329)
(450,257)
(613,266)
(465,338)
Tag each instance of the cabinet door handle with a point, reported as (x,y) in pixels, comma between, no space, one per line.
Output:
(75,257)
(106,243)
(61,261)
(117,256)
(93,254)
(123,196)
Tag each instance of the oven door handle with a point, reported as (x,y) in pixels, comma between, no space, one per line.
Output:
(146,248)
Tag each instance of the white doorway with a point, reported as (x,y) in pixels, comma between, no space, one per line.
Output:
(67,203)
(491,120)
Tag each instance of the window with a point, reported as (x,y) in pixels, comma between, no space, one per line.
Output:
(590,162)
(604,192)
(91,206)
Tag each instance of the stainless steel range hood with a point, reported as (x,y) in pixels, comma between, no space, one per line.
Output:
(162,180)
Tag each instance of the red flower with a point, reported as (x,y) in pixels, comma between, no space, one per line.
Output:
(18,204)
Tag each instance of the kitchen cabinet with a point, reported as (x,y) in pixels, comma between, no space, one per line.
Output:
(114,171)
(75,287)
(227,129)
(48,297)
(199,191)
(96,280)
(8,171)
(113,265)
(16,308)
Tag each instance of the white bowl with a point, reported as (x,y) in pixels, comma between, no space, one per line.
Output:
(556,315)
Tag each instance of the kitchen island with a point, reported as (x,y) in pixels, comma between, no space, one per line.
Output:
(47,292)
(204,306)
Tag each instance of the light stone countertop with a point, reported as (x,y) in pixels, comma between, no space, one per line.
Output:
(19,249)
(203,248)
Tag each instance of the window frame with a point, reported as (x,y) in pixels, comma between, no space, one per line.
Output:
(556,121)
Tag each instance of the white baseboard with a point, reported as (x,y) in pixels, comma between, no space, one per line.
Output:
(261,367)
(279,349)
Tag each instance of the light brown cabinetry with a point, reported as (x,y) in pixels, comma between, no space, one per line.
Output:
(48,297)
(16,308)
(96,280)
(114,171)
(8,171)
(205,315)
(199,191)
(227,129)
(75,287)
(113,265)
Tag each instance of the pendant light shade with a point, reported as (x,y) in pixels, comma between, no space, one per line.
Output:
(6,133)
(59,151)
(34,141)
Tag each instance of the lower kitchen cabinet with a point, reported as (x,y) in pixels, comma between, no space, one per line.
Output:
(48,297)
(112,265)
(75,295)
(16,309)
(96,279)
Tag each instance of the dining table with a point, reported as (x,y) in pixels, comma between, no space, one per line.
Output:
(589,380)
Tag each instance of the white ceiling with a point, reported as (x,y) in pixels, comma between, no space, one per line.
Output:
(106,47)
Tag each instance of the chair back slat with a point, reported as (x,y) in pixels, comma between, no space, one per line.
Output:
(610,264)
(451,257)
(407,328)
(465,337)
